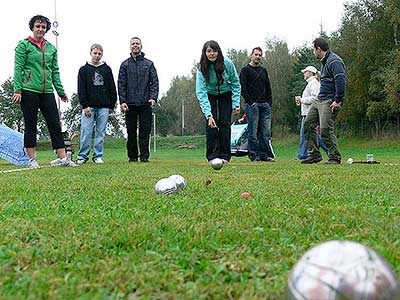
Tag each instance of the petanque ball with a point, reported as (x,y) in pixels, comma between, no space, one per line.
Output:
(342,270)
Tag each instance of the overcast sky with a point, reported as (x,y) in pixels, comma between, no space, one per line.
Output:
(172,31)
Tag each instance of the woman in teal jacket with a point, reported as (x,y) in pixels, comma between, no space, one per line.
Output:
(35,73)
(218,92)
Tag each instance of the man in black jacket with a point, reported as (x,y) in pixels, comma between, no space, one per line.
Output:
(256,91)
(97,96)
(138,93)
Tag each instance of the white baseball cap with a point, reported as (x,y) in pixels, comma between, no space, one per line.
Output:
(312,69)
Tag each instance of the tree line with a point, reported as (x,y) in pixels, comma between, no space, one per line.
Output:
(367,40)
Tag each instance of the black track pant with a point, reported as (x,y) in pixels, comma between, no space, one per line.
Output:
(31,102)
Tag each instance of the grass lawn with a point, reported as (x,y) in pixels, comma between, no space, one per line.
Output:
(100,231)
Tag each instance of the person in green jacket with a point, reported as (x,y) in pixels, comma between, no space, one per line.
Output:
(218,92)
(35,73)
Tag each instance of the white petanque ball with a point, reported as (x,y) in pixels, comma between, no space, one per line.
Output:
(179,180)
(350,161)
(166,186)
(342,270)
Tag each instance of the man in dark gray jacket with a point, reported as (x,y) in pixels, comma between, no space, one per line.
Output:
(138,93)
(323,111)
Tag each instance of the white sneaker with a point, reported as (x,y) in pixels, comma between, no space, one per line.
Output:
(98,160)
(55,162)
(65,162)
(33,163)
(81,161)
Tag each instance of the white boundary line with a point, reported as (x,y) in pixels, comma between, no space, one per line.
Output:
(24,169)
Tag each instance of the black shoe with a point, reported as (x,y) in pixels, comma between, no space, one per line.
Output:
(311,160)
(133,160)
(254,158)
(268,159)
(333,161)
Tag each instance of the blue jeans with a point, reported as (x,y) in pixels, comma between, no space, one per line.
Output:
(259,129)
(98,118)
(302,153)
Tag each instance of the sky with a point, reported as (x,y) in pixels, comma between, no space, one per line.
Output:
(172,31)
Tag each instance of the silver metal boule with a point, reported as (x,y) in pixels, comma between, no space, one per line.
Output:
(217,163)
(166,186)
(342,270)
(179,180)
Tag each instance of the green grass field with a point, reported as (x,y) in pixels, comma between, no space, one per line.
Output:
(101,232)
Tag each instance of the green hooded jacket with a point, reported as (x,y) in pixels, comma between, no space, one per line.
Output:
(36,69)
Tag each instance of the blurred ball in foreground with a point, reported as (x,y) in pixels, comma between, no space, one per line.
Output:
(342,270)
(166,186)
(179,180)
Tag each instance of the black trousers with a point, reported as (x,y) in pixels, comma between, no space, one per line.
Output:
(219,139)
(144,115)
(31,102)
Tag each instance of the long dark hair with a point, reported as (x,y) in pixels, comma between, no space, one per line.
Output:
(219,65)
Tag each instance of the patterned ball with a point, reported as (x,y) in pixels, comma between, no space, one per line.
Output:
(179,180)
(166,186)
(338,270)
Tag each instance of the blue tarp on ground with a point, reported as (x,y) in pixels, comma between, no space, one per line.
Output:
(12,146)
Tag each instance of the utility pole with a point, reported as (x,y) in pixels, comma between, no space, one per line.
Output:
(55,32)
(183,115)
(154,134)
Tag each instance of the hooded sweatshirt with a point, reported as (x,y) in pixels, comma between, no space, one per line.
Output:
(96,86)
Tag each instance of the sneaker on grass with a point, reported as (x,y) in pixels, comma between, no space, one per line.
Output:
(55,162)
(33,163)
(65,162)
(98,160)
(81,161)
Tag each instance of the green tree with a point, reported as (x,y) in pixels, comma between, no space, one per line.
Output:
(72,116)
(10,113)
(368,44)
(72,119)
(180,103)
(240,58)
(279,64)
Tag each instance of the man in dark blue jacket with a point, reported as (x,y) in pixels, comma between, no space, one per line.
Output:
(325,109)
(138,93)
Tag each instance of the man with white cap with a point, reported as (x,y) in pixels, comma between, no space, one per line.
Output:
(310,93)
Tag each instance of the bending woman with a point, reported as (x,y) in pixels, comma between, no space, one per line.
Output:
(218,92)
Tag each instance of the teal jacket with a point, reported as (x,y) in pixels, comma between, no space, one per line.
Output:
(36,69)
(231,84)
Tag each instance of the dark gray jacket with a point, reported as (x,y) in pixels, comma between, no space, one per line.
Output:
(137,81)
(333,78)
